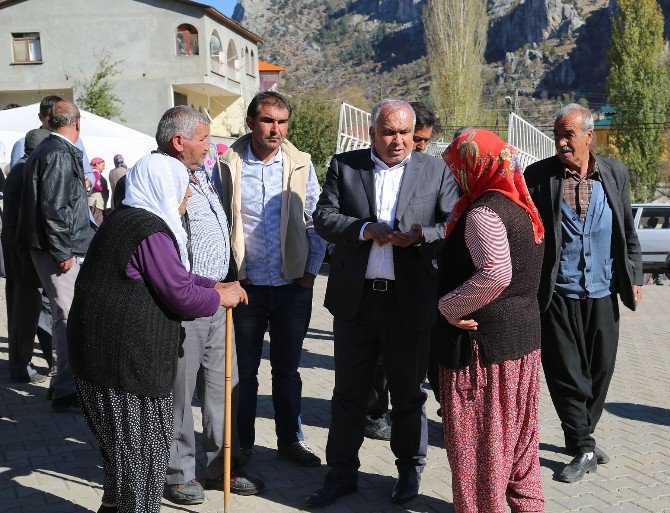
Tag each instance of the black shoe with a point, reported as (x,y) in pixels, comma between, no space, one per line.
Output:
(300,453)
(601,457)
(580,465)
(240,484)
(65,403)
(334,486)
(406,487)
(377,429)
(186,493)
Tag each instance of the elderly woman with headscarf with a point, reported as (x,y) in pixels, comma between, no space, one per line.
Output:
(490,361)
(124,330)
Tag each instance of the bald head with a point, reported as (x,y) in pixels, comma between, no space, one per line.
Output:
(63,113)
(64,120)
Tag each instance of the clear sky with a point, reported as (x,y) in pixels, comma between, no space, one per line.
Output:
(224,6)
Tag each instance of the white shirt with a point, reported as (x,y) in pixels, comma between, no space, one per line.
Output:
(387,188)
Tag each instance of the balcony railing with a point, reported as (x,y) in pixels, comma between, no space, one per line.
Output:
(225,70)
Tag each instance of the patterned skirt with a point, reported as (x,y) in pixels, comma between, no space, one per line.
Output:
(491,434)
(135,434)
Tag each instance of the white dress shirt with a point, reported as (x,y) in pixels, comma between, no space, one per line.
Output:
(387,189)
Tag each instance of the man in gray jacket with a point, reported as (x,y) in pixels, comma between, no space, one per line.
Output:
(54,225)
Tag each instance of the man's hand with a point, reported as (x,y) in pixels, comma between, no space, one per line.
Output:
(378,232)
(66,265)
(404,239)
(464,324)
(231,294)
(637,293)
(306,281)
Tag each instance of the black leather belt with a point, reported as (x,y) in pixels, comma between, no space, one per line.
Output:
(380,285)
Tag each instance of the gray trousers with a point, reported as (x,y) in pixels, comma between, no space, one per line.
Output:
(201,367)
(59,288)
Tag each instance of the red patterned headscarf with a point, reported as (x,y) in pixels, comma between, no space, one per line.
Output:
(481,163)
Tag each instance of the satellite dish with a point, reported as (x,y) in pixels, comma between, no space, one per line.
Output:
(214,44)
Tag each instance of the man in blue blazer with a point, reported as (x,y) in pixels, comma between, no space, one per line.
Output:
(384,210)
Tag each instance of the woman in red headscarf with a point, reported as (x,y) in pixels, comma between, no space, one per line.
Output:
(490,359)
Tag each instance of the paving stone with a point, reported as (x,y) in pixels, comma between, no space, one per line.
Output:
(50,462)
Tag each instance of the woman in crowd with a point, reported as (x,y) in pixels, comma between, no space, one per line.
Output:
(489,278)
(124,330)
(99,192)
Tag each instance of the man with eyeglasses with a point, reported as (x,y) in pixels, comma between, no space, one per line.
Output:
(423,128)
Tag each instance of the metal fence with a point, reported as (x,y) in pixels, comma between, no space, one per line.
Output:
(354,129)
(532,143)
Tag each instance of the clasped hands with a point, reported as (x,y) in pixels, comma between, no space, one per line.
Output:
(231,294)
(382,234)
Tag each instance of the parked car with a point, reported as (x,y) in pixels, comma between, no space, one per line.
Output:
(652,222)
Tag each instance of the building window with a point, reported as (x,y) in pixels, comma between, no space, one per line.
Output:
(253,64)
(27,47)
(187,40)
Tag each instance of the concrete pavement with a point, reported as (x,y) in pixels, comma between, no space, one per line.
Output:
(49,462)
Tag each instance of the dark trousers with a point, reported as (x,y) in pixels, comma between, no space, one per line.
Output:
(579,344)
(377,329)
(25,306)
(378,403)
(287,310)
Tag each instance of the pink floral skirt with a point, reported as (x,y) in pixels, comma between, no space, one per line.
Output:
(491,434)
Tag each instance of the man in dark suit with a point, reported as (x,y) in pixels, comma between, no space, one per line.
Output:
(592,253)
(383,208)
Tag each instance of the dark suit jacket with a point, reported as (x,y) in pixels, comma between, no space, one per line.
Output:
(545,183)
(427,195)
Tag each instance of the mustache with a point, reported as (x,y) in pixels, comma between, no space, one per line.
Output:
(566,149)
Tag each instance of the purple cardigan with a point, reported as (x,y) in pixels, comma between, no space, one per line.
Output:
(157,263)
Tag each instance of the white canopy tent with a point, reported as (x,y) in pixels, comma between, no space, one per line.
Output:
(102,138)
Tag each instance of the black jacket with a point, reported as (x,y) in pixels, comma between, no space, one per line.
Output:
(545,184)
(54,214)
(427,195)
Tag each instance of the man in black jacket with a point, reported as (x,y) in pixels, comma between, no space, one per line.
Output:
(25,303)
(55,226)
(592,253)
(384,210)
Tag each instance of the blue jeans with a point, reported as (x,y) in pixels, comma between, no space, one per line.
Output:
(287,310)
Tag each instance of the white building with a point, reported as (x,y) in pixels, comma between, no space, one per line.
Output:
(171,52)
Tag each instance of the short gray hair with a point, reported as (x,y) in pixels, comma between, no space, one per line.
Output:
(181,120)
(571,108)
(392,106)
(63,113)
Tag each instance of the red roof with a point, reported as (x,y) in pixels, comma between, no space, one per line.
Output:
(266,66)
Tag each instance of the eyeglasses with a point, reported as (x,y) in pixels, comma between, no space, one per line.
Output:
(418,139)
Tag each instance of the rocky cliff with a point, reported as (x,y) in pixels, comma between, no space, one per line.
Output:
(545,47)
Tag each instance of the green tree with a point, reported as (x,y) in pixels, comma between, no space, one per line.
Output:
(639,88)
(455,43)
(97,92)
(313,127)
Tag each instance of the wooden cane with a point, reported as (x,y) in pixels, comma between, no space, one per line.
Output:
(227,433)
